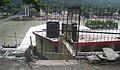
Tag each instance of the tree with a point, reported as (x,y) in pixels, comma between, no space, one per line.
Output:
(36,3)
(4,3)
(28,1)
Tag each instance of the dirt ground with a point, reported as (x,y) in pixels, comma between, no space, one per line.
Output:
(10,64)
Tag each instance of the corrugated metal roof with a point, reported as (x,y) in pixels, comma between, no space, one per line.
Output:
(97,3)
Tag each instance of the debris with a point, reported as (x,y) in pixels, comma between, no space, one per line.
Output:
(110,54)
(93,59)
(102,56)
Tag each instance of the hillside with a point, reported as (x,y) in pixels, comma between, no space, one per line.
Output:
(101,3)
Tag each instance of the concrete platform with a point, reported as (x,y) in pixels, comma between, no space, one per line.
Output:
(55,62)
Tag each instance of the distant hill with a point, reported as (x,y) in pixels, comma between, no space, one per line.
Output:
(70,3)
(17,2)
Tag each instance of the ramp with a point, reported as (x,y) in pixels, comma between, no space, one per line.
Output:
(69,47)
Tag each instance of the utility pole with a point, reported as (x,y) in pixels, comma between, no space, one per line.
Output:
(16,39)
(79,12)
(30,40)
(4,37)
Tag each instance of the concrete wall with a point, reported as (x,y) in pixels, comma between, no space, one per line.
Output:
(48,50)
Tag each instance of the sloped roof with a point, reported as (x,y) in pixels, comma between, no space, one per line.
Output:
(97,3)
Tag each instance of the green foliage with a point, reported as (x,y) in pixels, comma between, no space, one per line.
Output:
(28,1)
(97,24)
(3,3)
(98,11)
(54,8)
(36,3)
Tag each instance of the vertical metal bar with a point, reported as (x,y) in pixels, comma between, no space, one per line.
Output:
(67,24)
(78,31)
(47,12)
(75,17)
(63,15)
(51,12)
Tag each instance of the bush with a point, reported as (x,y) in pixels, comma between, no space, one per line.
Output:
(97,24)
